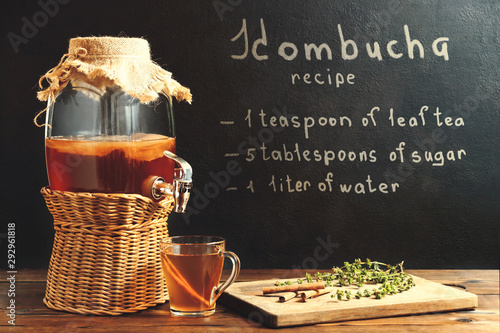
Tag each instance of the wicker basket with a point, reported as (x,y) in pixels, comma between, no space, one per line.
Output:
(105,257)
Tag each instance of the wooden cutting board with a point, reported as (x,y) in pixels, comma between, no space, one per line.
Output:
(425,297)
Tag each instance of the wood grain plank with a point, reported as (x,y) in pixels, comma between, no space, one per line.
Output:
(33,316)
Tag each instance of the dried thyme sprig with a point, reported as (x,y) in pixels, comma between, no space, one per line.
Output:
(392,278)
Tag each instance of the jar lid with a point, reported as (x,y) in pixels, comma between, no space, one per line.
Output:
(110,46)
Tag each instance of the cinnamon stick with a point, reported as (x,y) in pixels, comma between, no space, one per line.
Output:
(314,293)
(174,272)
(283,296)
(294,287)
(287,296)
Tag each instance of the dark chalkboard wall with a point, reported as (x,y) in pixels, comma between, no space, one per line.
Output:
(289,96)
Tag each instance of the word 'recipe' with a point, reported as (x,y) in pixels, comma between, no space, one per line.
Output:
(349,48)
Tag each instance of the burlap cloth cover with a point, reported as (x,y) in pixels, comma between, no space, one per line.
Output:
(105,258)
(108,61)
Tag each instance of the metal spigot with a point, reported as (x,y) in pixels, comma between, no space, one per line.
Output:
(181,187)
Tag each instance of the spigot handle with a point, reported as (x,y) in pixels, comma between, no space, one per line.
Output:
(186,171)
(181,187)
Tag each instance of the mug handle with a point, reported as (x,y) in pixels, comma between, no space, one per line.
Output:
(234,274)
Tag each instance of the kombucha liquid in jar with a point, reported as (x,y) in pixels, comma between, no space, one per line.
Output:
(115,165)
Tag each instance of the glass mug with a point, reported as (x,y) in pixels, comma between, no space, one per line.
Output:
(192,266)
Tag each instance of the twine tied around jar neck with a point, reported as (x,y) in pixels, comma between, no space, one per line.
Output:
(108,61)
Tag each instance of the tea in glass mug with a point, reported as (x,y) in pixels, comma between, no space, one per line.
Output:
(192,266)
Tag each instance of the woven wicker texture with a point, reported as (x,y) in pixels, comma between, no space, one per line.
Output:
(105,257)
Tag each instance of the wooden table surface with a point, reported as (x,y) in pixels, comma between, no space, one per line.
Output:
(31,315)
